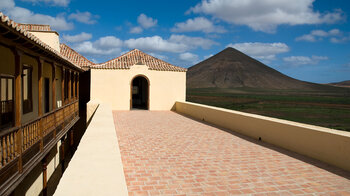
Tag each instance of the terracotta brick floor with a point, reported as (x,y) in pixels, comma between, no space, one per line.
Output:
(164,153)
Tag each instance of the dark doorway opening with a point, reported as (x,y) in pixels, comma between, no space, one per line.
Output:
(139,92)
(46,95)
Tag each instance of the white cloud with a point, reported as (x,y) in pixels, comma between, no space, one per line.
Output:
(318,35)
(306,37)
(136,30)
(51,2)
(304,60)
(77,38)
(266,15)
(23,15)
(146,22)
(338,40)
(189,57)
(208,56)
(263,51)
(108,45)
(108,42)
(198,24)
(84,17)
(7,4)
(155,43)
(112,45)
(334,32)
(175,44)
(192,42)
(159,56)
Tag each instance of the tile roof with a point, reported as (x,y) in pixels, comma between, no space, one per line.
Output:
(21,30)
(75,57)
(35,27)
(137,57)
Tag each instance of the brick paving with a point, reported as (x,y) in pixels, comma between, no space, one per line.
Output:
(164,153)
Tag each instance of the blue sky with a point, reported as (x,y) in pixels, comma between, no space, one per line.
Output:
(305,39)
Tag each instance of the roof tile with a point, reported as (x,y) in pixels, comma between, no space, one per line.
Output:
(74,56)
(137,57)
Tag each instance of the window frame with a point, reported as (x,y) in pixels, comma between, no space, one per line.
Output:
(6,76)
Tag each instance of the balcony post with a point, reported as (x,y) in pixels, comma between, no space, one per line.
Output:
(18,87)
(54,96)
(54,86)
(18,104)
(40,101)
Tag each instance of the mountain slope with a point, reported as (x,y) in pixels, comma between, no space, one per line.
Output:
(345,83)
(231,68)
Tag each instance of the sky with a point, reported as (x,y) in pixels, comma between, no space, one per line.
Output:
(304,39)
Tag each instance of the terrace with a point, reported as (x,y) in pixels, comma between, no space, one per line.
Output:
(167,153)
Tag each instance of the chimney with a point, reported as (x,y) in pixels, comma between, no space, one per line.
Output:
(44,33)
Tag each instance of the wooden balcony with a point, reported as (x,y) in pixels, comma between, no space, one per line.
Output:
(21,148)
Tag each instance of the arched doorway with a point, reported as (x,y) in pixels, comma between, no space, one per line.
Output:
(139,93)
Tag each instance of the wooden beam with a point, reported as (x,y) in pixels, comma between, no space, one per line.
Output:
(18,103)
(40,100)
(18,86)
(53,77)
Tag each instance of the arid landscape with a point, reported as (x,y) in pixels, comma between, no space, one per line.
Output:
(236,81)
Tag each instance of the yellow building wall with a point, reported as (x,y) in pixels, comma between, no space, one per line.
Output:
(51,38)
(7,62)
(113,87)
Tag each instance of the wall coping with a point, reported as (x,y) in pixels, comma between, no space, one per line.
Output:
(287,122)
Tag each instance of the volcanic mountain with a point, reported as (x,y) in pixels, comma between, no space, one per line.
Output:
(231,68)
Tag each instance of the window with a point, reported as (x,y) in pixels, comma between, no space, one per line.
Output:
(27,89)
(7,103)
(66,86)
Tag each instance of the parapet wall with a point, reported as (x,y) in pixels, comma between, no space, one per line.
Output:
(327,145)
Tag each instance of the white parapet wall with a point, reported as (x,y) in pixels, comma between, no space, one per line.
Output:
(327,145)
(96,167)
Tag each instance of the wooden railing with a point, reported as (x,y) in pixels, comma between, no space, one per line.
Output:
(6,106)
(19,145)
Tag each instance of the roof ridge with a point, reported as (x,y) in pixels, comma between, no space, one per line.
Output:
(117,57)
(134,57)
